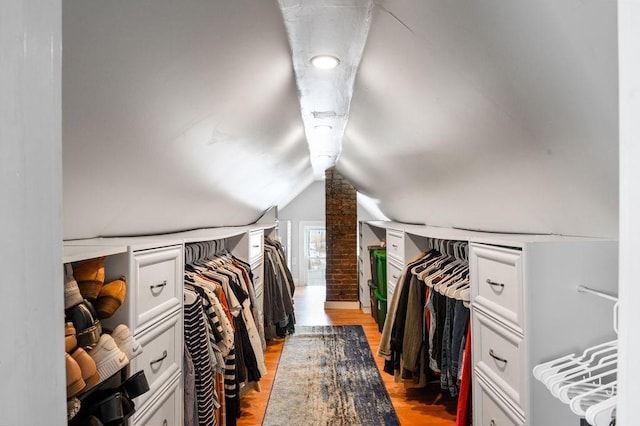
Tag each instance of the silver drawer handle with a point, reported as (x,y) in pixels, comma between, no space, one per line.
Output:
(495,284)
(394,245)
(496,357)
(492,422)
(162,358)
(156,286)
(395,277)
(256,246)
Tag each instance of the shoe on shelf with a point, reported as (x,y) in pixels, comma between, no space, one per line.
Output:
(108,410)
(86,323)
(75,383)
(88,367)
(110,298)
(70,341)
(108,357)
(135,385)
(90,277)
(126,342)
(72,295)
(73,407)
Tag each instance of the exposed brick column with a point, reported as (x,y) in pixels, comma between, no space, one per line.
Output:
(342,225)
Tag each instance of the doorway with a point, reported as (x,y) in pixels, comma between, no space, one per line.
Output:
(313,253)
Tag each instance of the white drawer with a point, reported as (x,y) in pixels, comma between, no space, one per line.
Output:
(490,409)
(162,353)
(255,244)
(164,409)
(394,272)
(158,286)
(395,244)
(499,354)
(497,275)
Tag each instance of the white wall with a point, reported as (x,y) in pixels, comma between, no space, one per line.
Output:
(629,288)
(308,206)
(32,385)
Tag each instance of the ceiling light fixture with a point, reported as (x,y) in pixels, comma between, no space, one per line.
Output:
(322,128)
(323,156)
(325,62)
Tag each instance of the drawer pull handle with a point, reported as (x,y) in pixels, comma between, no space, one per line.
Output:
(495,284)
(492,422)
(158,286)
(165,422)
(496,357)
(395,277)
(256,246)
(394,245)
(162,358)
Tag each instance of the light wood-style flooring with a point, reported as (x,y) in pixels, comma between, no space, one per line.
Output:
(428,406)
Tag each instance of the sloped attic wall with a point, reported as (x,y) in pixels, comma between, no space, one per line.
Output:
(177,115)
(492,114)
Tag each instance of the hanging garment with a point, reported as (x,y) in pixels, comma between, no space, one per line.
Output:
(196,339)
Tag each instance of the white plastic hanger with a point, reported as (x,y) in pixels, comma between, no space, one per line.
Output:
(571,363)
(606,364)
(602,413)
(594,380)
(582,402)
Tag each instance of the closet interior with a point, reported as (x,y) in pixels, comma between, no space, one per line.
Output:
(517,304)
(196,304)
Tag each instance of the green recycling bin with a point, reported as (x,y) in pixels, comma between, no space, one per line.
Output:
(381,309)
(380,271)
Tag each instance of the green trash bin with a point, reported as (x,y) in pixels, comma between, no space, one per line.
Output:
(380,264)
(372,300)
(381,309)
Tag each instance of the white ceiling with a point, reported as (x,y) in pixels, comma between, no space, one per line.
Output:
(489,114)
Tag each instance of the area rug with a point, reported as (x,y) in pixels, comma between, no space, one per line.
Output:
(327,376)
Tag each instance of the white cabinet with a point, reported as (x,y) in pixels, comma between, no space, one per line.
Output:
(525,310)
(152,310)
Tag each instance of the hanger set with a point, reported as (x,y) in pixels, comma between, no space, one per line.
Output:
(204,250)
(445,268)
(586,382)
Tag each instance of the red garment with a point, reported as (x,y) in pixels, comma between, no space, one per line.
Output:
(463,415)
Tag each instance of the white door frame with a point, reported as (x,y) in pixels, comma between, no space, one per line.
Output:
(302,266)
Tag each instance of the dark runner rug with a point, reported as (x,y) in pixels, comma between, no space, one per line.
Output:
(327,376)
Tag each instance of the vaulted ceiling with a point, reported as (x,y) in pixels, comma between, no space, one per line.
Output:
(487,114)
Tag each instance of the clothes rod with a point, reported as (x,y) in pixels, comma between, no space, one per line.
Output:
(584,289)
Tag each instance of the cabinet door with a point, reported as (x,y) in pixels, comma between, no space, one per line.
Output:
(161,355)
(165,409)
(158,284)
(490,409)
(497,282)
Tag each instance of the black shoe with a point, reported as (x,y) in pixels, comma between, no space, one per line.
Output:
(135,385)
(86,323)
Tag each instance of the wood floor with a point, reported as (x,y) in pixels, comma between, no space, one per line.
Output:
(427,406)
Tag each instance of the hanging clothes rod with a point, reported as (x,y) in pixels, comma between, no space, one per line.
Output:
(598,293)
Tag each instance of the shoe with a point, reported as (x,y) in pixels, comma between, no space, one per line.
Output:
(109,409)
(135,385)
(110,298)
(90,277)
(72,295)
(108,357)
(70,341)
(88,367)
(86,323)
(75,383)
(126,342)
(73,407)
